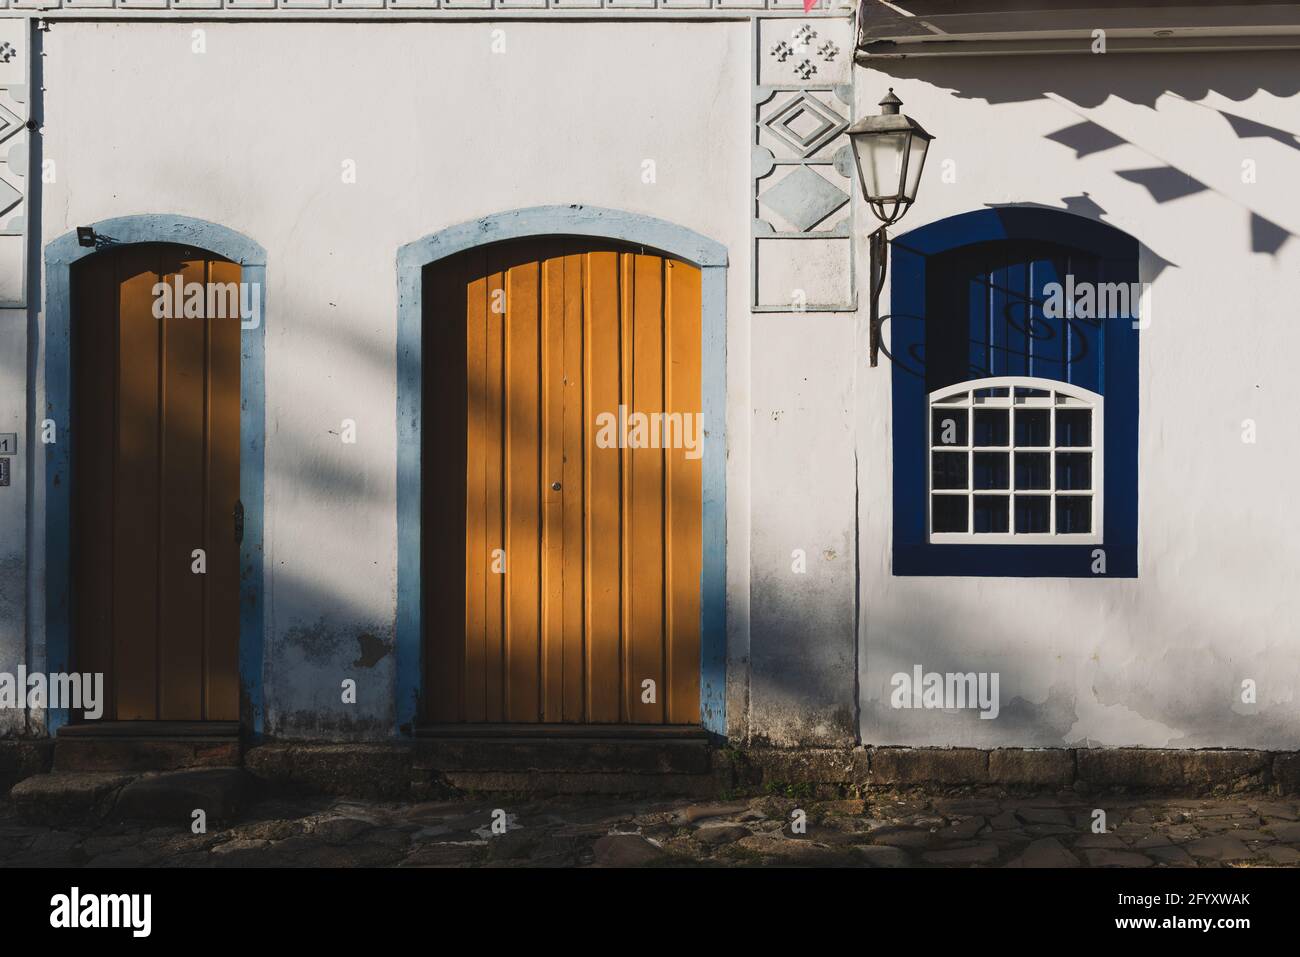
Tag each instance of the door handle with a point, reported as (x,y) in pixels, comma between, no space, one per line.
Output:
(239,522)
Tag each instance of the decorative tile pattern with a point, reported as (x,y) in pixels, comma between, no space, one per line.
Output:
(14,73)
(804,198)
(805,123)
(802,164)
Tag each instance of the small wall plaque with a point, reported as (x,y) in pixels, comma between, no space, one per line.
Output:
(8,443)
(4,473)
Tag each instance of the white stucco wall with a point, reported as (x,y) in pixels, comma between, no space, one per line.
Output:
(253,134)
(1157,660)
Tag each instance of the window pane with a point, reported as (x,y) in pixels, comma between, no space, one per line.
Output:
(992,470)
(999,393)
(1073,513)
(1031,513)
(1073,427)
(1025,393)
(1033,470)
(949,513)
(1033,427)
(992,427)
(949,470)
(992,513)
(948,426)
(1073,470)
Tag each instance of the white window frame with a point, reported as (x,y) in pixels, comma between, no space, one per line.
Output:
(1060,396)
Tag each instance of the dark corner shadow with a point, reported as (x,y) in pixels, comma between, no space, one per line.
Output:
(1084,205)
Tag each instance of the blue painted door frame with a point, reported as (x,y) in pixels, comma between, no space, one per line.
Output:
(555,221)
(60,255)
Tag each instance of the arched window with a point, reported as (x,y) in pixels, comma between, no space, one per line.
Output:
(1013,336)
(1016,459)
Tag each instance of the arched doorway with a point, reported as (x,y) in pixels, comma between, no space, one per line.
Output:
(553,568)
(562,499)
(155,481)
(152,490)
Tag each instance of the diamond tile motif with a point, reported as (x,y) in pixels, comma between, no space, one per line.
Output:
(804,198)
(805,123)
(9,124)
(9,197)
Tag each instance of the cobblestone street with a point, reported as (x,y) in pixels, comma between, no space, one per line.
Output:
(901,830)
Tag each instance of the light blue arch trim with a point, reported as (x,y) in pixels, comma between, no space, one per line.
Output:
(60,255)
(565,221)
(593,221)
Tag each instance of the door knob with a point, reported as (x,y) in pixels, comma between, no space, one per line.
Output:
(555,486)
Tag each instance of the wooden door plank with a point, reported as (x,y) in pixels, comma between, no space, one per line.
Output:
(223,452)
(495,310)
(443,466)
(627,339)
(182,592)
(602,361)
(683,505)
(522,498)
(477,548)
(552,472)
(645,599)
(574,652)
(95,374)
(136,545)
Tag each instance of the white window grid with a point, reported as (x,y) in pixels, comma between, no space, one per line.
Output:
(1060,396)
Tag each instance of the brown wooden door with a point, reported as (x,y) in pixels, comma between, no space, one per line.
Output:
(155,477)
(561,569)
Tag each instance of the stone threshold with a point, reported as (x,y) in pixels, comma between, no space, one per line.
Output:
(1079,769)
(416,769)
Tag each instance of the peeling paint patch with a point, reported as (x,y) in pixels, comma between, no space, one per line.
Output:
(1117,726)
(372,650)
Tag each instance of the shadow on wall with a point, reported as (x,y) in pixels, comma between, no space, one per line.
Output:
(1144,80)
(1084,205)
(308,661)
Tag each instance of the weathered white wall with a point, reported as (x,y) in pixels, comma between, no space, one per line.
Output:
(252,135)
(13,507)
(1157,660)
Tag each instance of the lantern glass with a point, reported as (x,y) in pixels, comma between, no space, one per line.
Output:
(915,161)
(880,163)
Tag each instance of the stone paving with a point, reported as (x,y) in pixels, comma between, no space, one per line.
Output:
(897,830)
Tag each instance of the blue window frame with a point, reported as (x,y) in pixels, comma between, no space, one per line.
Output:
(1028,298)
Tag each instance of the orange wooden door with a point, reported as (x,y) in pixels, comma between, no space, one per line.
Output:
(561,566)
(155,478)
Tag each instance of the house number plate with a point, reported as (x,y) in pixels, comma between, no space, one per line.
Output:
(4,472)
(8,443)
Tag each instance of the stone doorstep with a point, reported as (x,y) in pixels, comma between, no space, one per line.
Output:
(135,754)
(691,767)
(561,782)
(60,797)
(600,755)
(20,758)
(170,797)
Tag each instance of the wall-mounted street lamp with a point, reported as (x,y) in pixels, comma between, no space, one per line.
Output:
(890,152)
